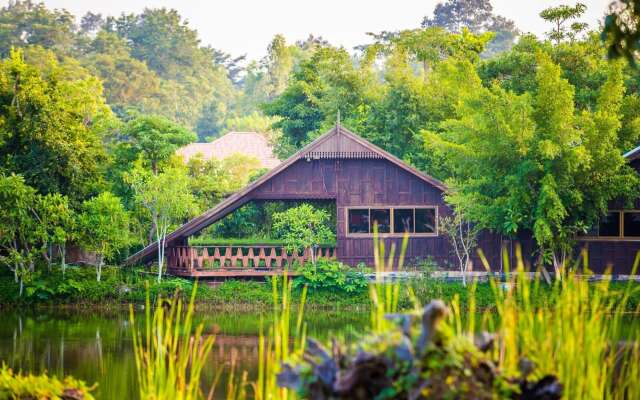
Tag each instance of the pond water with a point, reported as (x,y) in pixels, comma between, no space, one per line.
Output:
(96,346)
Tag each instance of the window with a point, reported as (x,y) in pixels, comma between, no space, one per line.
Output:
(403,220)
(382,217)
(632,224)
(425,220)
(609,225)
(617,225)
(396,221)
(359,220)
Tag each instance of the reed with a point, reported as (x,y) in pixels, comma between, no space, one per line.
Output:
(169,354)
(281,342)
(385,294)
(577,333)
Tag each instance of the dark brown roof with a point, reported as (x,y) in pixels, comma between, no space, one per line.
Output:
(339,142)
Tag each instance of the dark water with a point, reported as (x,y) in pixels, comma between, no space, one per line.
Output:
(96,346)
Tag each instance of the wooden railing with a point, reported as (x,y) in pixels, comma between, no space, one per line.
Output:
(257,257)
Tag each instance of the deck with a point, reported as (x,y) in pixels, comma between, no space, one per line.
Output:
(238,261)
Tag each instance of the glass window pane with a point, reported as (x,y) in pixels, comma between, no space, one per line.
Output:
(632,224)
(403,220)
(359,221)
(609,225)
(382,217)
(425,220)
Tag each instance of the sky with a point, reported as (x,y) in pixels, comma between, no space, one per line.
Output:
(246,26)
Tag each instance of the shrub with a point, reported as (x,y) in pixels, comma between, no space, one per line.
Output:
(303,227)
(18,387)
(331,276)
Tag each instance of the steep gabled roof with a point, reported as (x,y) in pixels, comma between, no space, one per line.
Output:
(251,144)
(339,142)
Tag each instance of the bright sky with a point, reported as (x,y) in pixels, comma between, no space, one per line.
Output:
(246,26)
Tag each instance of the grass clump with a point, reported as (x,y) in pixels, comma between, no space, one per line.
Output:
(169,353)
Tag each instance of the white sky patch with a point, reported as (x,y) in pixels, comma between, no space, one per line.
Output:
(246,26)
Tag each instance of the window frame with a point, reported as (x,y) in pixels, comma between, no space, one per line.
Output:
(391,209)
(621,237)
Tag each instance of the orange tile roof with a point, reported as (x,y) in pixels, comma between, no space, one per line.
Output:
(251,144)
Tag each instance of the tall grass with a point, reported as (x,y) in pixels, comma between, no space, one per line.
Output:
(384,294)
(280,342)
(577,333)
(169,355)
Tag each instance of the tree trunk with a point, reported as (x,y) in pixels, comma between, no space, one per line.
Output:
(63,258)
(160,260)
(99,268)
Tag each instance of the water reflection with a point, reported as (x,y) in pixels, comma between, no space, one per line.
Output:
(96,346)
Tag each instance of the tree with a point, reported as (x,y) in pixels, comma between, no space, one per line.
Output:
(320,86)
(523,163)
(463,237)
(156,139)
(167,199)
(279,62)
(128,82)
(19,236)
(303,227)
(559,16)
(103,227)
(52,126)
(25,23)
(56,225)
(478,17)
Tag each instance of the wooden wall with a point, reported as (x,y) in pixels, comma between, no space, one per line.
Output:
(378,182)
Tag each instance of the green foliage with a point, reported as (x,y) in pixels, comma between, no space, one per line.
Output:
(522,162)
(51,125)
(620,32)
(104,227)
(24,23)
(478,17)
(24,387)
(213,179)
(302,227)
(332,276)
(166,198)
(155,138)
(19,235)
(560,15)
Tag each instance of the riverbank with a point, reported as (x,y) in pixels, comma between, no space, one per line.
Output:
(79,289)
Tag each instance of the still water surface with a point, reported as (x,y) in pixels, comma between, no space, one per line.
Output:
(96,346)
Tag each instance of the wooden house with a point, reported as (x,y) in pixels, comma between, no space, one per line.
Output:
(368,185)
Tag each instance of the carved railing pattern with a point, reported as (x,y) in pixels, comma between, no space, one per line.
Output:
(257,257)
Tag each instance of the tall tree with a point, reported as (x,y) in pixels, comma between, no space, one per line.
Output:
(52,126)
(24,23)
(530,163)
(478,17)
(559,16)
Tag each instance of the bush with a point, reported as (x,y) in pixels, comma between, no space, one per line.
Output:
(19,387)
(331,276)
